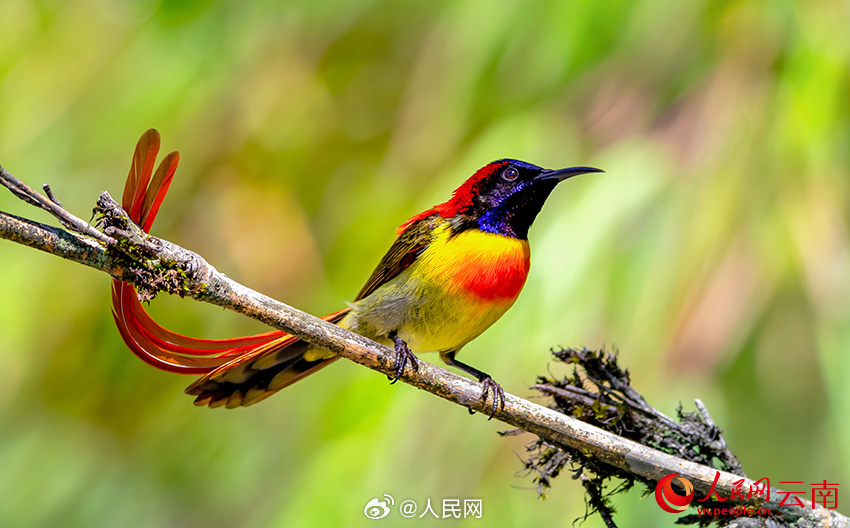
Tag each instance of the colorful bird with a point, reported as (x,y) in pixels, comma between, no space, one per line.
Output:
(451,273)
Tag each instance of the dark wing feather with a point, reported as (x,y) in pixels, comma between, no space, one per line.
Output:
(404,252)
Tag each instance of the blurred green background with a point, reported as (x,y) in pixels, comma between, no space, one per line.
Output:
(714,252)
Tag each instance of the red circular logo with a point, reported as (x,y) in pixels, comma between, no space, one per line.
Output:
(669,500)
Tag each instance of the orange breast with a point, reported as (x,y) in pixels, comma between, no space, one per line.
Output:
(485,266)
(493,277)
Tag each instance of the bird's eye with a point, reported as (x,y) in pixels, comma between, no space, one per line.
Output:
(510,174)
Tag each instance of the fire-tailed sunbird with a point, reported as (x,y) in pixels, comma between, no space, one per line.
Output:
(452,271)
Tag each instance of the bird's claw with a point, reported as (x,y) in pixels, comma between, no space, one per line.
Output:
(402,356)
(490,385)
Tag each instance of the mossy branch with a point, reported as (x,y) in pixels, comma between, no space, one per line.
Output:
(154,265)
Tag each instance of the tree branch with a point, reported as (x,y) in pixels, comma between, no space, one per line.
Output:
(122,250)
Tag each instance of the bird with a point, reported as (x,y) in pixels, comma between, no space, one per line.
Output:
(452,271)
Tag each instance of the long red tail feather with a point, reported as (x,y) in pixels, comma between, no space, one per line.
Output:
(162,348)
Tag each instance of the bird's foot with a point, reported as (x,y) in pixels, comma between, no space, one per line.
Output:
(490,385)
(402,356)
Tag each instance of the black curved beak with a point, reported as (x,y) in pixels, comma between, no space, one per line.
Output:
(563,174)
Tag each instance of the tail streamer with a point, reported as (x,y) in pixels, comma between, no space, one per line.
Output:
(157,346)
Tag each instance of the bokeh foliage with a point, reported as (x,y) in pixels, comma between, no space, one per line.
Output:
(714,252)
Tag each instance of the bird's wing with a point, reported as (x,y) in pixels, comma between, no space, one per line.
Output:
(405,250)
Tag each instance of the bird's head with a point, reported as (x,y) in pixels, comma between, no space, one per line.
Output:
(504,197)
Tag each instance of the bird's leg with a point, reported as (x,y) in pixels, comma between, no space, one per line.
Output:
(486,380)
(402,355)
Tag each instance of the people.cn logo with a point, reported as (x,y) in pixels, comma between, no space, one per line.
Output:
(669,500)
